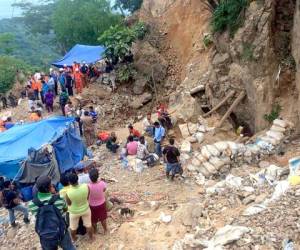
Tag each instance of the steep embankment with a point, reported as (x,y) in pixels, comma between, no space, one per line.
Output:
(257,59)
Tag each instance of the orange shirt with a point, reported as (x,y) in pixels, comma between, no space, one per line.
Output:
(39,85)
(34,84)
(34,117)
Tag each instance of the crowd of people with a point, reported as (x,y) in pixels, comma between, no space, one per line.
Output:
(78,201)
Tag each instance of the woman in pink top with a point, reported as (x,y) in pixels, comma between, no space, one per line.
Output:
(97,200)
(131,146)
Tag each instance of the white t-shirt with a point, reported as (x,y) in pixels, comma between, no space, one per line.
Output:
(84,179)
(146,123)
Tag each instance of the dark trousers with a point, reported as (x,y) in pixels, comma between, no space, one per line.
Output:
(70,91)
(56,87)
(62,107)
(36,94)
(65,243)
(49,107)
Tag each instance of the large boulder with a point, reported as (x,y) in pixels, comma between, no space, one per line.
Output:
(140,101)
(184,107)
(148,60)
(139,85)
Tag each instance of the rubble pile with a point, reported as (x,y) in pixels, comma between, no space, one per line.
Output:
(217,158)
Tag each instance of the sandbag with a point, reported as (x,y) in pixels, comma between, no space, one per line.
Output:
(213,150)
(210,168)
(221,146)
(280,123)
(196,162)
(277,129)
(270,140)
(216,162)
(204,171)
(276,135)
(205,152)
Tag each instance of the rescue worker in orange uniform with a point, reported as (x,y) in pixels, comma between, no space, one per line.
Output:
(78,81)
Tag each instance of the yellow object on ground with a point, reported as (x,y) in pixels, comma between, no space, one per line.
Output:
(294,180)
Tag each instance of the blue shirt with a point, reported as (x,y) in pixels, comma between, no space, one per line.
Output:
(159,133)
(9,125)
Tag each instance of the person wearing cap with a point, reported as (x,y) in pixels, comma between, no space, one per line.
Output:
(62,79)
(44,195)
(78,206)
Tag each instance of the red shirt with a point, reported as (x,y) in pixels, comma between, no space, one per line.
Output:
(135,133)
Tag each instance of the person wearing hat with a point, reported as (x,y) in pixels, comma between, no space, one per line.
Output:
(46,198)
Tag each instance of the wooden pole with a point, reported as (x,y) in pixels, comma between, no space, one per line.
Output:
(231,93)
(197,89)
(233,105)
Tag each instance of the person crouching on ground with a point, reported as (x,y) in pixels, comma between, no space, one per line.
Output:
(12,203)
(148,125)
(133,132)
(171,156)
(78,206)
(97,200)
(131,146)
(50,222)
(142,151)
(111,143)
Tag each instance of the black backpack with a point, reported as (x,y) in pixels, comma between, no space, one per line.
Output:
(50,224)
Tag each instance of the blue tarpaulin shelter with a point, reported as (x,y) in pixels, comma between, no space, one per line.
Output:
(79,53)
(57,131)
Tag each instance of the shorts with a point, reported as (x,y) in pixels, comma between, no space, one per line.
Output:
(99,213)
(86,218)
(174,168)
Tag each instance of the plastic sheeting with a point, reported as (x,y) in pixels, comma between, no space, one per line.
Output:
(79,53)
(69,150)
(15,142)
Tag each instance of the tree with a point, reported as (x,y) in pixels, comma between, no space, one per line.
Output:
(9,67)
(118,39)
(129,5)
(37,17)
(76,21)
(6,40)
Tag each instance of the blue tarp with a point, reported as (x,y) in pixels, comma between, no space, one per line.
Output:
(15,142)
(79,53)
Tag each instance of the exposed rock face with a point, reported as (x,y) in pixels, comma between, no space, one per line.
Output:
(296,52)
(147,60)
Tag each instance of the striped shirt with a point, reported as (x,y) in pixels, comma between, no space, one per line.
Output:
(45,197)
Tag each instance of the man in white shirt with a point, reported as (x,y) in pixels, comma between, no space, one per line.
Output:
(83,177)
(148,125)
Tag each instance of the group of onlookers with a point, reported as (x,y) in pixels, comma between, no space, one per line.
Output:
(78,200)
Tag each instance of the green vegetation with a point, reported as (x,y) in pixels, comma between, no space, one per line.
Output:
(207,40)
(129,5)
(126,73)
(9,66)
(118,39)
(211,5)
(228,15)
(77,21)
(247,54)
(34,49)
(274,113)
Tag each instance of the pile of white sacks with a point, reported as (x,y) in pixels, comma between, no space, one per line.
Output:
(218,157)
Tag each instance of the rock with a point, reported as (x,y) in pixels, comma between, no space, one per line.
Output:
(139,85)
(141,100)
(264,164)
(185,107)
(186,147)
(192,139)
(187,129)
(221,59)
(191,168)
(249,199)
(199,137)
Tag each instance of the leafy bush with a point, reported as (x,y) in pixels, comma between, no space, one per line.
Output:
(274,113)
(9,66)
(126,73)
(207,40)
(229,15)
(118,39)
(140,30)
(247,54)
